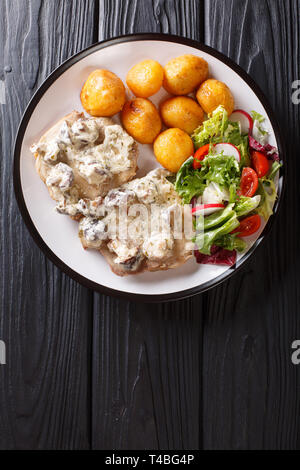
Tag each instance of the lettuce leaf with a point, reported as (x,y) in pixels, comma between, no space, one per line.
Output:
(218,218)
(231,242)
(268,193)
(259,132)
(274,169)
(257,117)
(214,168)
(218,128)
(189,182)
(205,240)
(222,170)
(246,204)
(243,147)
(212,130)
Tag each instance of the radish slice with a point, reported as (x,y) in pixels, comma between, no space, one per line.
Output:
(244,119)
(229,150)
(206,209)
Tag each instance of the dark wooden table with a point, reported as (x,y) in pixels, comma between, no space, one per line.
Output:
(86,371)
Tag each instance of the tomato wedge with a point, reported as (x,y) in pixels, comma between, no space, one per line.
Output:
(260,163)
(248,226)
(249,182)
(199,155)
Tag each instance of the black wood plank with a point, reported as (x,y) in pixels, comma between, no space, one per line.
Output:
(251,389)
(152,16)
(45,317)
(147,369)
(147,375)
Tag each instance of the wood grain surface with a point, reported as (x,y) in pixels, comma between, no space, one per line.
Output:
(150,383)
(88,371)
(250,386)
(45,317)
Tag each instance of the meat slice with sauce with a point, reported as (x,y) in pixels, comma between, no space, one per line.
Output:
(157,235)
(84,158)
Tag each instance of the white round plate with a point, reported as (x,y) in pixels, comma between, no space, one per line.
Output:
(60,94)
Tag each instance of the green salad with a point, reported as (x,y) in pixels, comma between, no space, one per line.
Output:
(230,180)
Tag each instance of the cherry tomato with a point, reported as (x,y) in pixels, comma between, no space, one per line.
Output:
(249,182)
(248,226)
(199,155)
(260,164)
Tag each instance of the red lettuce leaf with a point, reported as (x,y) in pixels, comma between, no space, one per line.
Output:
(217,255)
(272,152)
(268,150)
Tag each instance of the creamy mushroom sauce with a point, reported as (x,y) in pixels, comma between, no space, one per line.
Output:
(149,236)
(84,152)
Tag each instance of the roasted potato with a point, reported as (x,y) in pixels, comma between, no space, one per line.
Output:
(213,93)
(181,112)
(145,78)
(183,74)
(103,93)
(141,120)
(172,147)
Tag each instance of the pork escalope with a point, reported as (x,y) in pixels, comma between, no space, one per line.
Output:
(88,166)
(82,157)
(157,235)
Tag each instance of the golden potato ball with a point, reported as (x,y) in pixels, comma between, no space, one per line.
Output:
(103,93)
(182,112)
(183,74)
(172,147)
(145,78)
(141,120)
(213,93)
